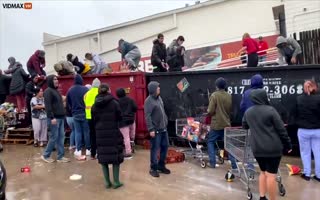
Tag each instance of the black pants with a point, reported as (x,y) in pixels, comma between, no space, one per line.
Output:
(2,98)
(28,101)
(253,60)
(92,138)
(298,60)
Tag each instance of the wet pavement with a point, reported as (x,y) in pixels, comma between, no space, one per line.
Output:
(187,181)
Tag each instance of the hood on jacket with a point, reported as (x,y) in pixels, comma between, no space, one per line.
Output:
(257,81)
(152,88)
(281,40)
(103,99)
(50,81)
(40,53)
(78,80)
(12,60)
(259,97)
(121,93)
(156,41)
(96,83)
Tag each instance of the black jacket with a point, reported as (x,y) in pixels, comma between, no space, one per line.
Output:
(306,111)
(128,108)
(159,54)
(19,79)
(106,116)
(53,100)
(268,134)
(4,84)
(176,63)
(31,89)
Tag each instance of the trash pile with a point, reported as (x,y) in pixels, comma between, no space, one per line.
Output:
(195,131)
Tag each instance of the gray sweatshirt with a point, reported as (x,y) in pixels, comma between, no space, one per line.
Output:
(155,115)
(292,44)
(268,134)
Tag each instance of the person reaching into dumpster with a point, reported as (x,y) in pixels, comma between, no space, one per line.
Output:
(106,116)
(80,68)
(127,125)
(36,63)
(89,99)
(251,47)
(100,67)
(157,122)
(64,68)
(268,139)
(289,51)
(220,105)
(159,55)
(306,118)
(172,48)
(130,54)
(176,62)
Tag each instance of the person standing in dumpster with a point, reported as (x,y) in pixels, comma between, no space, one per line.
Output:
(106,116)
(268,139)
(157,122)
(159,55)
(251,47)
(89,99)
(127,125)
(36,63)
(307,119)
(263,47)
(55,115)
(172,48)
(220,105)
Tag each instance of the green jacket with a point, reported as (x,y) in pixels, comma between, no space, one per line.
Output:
(220,105)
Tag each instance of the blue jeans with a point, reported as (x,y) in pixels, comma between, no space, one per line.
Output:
(72,135)
(309,140)
(159,142)
(213,137)
(82,131)
(56,138)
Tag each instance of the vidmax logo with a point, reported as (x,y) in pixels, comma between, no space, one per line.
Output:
(27,5)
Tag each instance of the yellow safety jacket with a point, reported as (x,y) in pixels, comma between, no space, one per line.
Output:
(89,99)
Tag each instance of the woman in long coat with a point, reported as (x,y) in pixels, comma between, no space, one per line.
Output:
(106,115)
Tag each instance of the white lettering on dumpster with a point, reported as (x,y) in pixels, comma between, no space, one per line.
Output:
(274,87)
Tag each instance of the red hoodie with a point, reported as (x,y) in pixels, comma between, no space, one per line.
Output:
(263,46)
(251,44)
(34,64)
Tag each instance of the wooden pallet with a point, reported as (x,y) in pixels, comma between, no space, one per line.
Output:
(20,133)
(17,141)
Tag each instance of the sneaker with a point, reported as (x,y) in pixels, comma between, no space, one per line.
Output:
(72,147)
(35,144)
(47,160)
(164,170)
(128,157)
(41,144)
(63,160)
(307,178)
(210,166)
(316,178)
(77,153)
(88,152)
(154,173)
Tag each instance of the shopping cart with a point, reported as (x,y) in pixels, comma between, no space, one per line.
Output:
(237,144)
(195,130)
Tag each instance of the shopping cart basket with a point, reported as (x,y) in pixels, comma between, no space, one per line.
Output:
(236,143)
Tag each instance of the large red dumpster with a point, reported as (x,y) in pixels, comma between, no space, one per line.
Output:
(133,83)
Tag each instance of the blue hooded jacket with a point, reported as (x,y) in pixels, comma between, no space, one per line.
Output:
(246,103)
(75,100)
